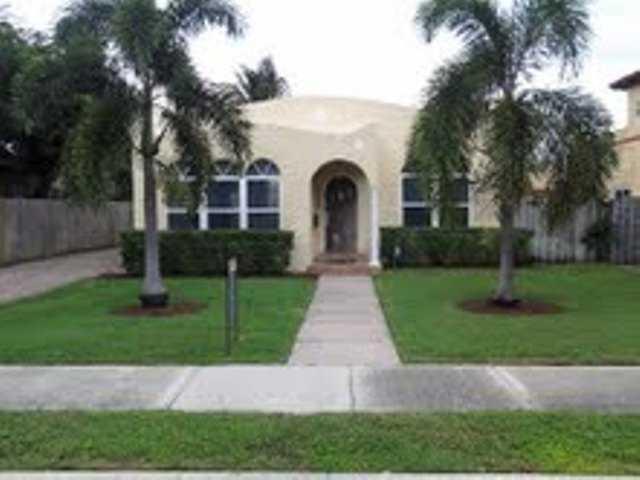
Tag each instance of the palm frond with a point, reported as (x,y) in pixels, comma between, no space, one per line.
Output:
(100,141)
(576,149)
(190,17)
(89,18)
(138,33)
(457,102)
(471,20)
(263,83)
(553,29)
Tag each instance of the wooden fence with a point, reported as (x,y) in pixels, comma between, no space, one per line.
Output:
(32,229)
(562,245)
(625,219)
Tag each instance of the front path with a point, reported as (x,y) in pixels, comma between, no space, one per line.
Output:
(33,278)
(344,326)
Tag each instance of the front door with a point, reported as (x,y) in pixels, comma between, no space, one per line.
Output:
(341,200)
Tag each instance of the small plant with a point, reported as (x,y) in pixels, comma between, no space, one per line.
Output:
(599,237)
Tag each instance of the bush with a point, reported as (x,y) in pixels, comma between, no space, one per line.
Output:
(440,247)
(207,252)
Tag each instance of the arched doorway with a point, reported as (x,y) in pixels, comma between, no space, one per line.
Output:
(341,203)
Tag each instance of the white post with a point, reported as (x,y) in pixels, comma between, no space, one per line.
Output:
(243,207)
(375,229)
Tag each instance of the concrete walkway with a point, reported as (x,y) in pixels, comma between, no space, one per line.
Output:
(282,476)
(308,390)
(33,278)
(344,326)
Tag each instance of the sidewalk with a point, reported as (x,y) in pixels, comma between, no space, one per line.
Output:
(344,326)
(284,476)
(33,278)
(308,390)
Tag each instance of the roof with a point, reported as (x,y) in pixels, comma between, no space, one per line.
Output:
(328,115)
(627,82)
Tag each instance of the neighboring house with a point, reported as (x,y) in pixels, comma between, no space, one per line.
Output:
(628,146)
(333,172)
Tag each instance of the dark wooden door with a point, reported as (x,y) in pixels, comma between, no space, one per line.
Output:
(341,199)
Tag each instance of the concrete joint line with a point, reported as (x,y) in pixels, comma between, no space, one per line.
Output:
(514,387)
(352,393)
(177,388)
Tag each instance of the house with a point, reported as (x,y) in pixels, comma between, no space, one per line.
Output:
(333,172)
(627,176)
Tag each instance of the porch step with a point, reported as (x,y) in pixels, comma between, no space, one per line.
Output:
(354,269)
(341,258)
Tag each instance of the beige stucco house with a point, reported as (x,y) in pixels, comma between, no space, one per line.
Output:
(627,176)
(328,169)
(331,170)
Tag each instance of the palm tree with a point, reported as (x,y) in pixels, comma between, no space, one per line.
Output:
(159,94)
(263,83)
(481,117)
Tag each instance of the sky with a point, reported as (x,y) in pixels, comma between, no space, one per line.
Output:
(371,48)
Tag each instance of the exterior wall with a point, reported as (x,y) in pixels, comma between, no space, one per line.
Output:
(303,135)
(627,175)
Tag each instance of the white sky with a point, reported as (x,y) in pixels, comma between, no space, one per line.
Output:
(371,48)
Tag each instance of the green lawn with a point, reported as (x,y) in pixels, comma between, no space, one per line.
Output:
(601,324)
(500,442)
(75,325)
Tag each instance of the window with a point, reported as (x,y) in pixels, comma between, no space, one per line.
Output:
(233,201)
(263,191)
(223,198)
(417,213)
(459,214)
(178,213)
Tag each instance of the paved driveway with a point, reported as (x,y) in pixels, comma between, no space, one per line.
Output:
(33,278)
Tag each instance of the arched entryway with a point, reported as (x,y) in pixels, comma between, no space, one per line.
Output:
(342,212)
(341,204)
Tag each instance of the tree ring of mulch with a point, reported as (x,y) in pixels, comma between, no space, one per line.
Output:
(173,310)
(520,308)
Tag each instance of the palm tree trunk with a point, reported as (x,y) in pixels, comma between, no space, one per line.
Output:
(154,293)
(505,292)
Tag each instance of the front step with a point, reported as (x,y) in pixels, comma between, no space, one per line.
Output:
(354,269)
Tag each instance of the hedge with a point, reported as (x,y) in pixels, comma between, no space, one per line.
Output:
(440,247)
(200,253)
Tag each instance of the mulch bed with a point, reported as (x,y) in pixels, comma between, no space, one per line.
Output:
(173,310)
(521,308)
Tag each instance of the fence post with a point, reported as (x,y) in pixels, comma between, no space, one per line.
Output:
(231,314)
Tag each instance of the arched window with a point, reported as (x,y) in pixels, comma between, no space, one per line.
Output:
(234,201)
(263,195)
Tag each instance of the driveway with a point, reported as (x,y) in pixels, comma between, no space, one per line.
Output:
(32,278)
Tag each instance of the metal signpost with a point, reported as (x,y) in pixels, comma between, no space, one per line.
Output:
(231,311)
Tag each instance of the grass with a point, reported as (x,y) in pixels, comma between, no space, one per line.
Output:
(498,442)
(601,324)
(75,325)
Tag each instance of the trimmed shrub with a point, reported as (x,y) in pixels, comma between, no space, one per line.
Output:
(200,253)
(440,247)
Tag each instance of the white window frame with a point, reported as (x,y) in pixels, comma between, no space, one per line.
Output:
(435,220)
(243,210)
(435,212)
(272,178)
